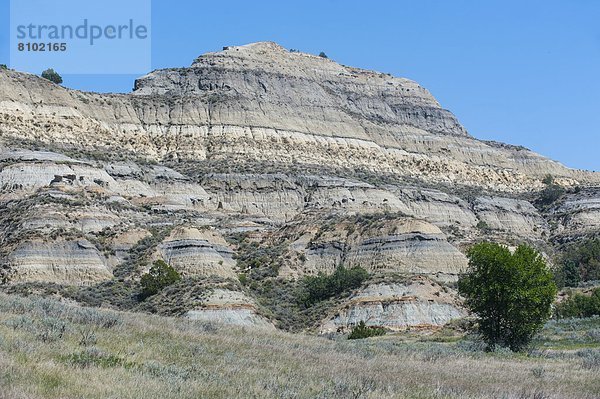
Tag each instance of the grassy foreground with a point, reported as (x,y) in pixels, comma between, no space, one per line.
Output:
(53,350)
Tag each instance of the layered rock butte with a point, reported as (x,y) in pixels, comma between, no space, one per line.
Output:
(330,164)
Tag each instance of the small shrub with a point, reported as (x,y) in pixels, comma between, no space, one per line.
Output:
(482,225)
(3,67)
(435,353)
(550,195)
(118,294)
(87,337)
(538,372)
(24,323)
(103,319)
(548,180)
(95,357)
(51,329)
(51,75)
(323,55)
(472,345)
(169,372)
(363,331)
(160,276)
(579,305)
(590,358)
(593,335)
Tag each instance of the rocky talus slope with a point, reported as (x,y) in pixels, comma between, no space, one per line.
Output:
(255,167)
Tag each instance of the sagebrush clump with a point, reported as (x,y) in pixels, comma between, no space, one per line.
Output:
(362,331)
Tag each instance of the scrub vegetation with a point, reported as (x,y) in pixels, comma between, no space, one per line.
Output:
(49,349)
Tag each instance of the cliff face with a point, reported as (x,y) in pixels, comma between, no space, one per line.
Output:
(313,164)
(260,103)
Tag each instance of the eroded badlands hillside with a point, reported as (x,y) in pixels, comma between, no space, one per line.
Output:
(267,164)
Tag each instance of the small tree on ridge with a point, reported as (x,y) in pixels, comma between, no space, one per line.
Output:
(52,76)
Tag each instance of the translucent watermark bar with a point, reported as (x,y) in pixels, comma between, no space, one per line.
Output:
(81,37)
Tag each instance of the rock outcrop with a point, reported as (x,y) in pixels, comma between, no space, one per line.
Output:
(418,303)
(229,307)
(257,166)
(517,217)
(63,262)
(579,213)
(260,103)
(197,253)
(384,243)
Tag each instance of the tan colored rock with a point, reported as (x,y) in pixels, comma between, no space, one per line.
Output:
(579,213)
(31,176)
(437,207)
(229,307)
(517,217)
(419,302)
(194,252)
(261,103)
(63,262)
(345,166)
(380,245)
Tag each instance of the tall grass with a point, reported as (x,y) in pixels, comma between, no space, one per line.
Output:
(142,356)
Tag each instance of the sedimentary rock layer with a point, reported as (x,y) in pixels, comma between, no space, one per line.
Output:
(397,306)
(260,102)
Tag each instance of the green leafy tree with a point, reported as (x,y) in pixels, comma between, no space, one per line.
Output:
(582,262)
(4,67)
(161,275)
(52,76)
(323,55)
(511,294)
(567,275)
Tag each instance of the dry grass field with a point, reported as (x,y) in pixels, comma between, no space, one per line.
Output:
(52,350)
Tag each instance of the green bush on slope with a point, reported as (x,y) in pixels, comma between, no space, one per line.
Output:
(160,276)
(321,287)
(362,331)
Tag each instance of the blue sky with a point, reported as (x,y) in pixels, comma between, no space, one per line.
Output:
(523,72)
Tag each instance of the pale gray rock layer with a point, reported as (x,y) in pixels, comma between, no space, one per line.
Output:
(62,262)
(397,306)
(195,253)
(262,103)
(229,307)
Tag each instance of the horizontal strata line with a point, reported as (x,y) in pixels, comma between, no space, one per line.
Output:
(194,69)
(309,135)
